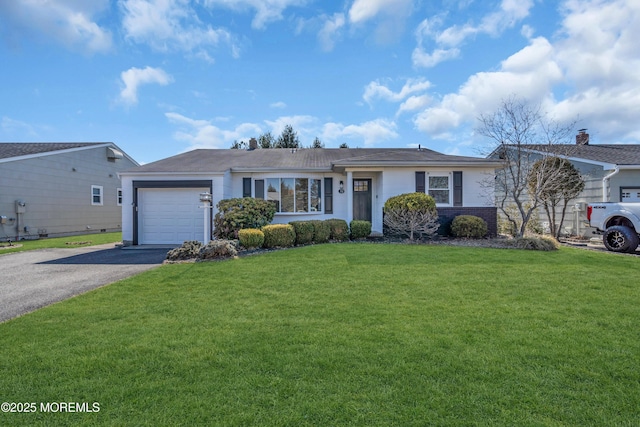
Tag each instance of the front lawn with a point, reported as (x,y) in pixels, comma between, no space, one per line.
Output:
(342,334)
(62,242)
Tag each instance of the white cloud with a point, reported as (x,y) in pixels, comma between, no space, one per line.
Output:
(266,10)
(448,41)
(305,126)
(13,127)
(134,77)
(172,25)
(377,90)
(592,67)
(278,104)
(370,133)
(203,134)
(330,31)
(365,10)
(530,73)
(68,22)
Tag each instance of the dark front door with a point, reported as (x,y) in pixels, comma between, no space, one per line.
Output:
(362,199)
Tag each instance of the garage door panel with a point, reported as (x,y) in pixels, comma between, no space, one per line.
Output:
(169,215)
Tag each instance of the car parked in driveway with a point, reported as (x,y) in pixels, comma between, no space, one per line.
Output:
(619,224)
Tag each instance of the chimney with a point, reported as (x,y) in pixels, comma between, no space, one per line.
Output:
(582,138)
(253,144)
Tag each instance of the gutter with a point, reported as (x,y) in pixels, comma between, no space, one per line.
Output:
(605,182)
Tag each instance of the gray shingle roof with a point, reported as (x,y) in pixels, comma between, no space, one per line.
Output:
(320,159)
(17,149)
(617,154)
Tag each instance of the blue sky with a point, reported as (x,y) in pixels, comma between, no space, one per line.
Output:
(160,77)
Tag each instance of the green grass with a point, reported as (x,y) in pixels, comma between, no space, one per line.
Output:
(342,334)
(62,242)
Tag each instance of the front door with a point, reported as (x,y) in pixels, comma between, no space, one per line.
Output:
(362,199)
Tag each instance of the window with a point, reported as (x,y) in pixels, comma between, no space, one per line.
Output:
(291,195)
(119,196)
(96,195)
(439,189)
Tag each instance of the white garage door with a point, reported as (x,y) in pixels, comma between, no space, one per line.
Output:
(169,215)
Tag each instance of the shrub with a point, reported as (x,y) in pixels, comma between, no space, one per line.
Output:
(278,236)
(469,226)
(338,229)
(321,231)
(304,232)
(411,214)
(251,238)
(189,250)
(218,249)
(360,229)
(534,244)
(236,214)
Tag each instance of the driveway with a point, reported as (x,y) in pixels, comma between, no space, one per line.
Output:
(34,279)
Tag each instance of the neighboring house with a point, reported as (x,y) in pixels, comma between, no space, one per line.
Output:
(54,189)
(611,172)
(304,184)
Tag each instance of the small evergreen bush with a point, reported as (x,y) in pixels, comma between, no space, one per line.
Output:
(218,249)
(189,250)
(411,214)
(321,231)
(251,238)
(304,232)
(236,214)
(469,226)
(278,236)
(339,229)
(360,229)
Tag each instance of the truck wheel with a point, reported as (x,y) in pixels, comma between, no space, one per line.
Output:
(620,238)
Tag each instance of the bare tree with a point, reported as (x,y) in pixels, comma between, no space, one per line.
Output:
(520,132)
(556,182)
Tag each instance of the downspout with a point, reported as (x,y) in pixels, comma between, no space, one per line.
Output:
(605,183)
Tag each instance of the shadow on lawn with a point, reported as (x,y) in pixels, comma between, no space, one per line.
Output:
(114,256)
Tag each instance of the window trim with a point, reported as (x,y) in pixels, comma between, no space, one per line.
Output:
(100,189)
(449,188)
(294,180)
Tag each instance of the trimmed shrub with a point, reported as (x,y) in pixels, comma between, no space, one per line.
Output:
(338,229)
(534,244)
(189,250)
(411,214)
(304,232)
(235,214)
(218,249)
(278,236)
(469,226)
(251,238)
(321,231)
(360,229)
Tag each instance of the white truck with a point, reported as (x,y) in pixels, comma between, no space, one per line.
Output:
(619,224)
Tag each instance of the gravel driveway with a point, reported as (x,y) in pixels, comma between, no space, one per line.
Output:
(33,279)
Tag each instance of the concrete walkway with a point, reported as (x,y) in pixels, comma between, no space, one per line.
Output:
(33,279)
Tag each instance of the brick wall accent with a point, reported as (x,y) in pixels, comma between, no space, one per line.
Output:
(489,214)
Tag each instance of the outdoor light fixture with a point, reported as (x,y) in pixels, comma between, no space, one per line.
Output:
(206,197)
(341,190)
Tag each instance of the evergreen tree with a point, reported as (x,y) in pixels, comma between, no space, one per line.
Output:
(266,140)
(317,143)
(288,138)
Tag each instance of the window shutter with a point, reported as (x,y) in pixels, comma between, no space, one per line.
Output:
(457,188)
(420,182)
(328,195)
(259,183)
(246,187)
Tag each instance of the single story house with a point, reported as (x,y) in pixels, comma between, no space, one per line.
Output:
(162,202)
(611,173)
(55,189)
